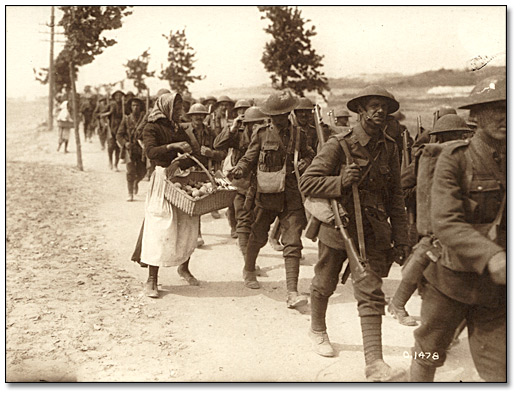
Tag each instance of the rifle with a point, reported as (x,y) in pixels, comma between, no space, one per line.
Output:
(357,261)
(147,103)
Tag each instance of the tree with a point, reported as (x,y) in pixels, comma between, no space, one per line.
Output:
(289,56)
(137,71)
(181,63)
(83,26)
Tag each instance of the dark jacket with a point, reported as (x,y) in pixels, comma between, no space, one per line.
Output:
(268,150)
(380,189)
(236,141)
(115,117)
(128,132)
(466,197)
(156,137)
(203,138)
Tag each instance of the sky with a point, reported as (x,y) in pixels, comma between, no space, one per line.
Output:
(229,42)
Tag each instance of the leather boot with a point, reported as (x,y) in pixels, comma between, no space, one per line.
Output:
(421,373)
(321,343)
(250,278)
(130,189)
(294,299)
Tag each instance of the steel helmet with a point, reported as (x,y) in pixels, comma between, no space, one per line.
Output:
(224,98)
(254,114)
(242,103)
(162,91)
(374,91)
(279,103)
(450,123)
(472,122)
(305,104)
(209,98)
(198,109)
(116,92)
(399,116)
(445,110)
(139,101)
(342,113)
(491,89)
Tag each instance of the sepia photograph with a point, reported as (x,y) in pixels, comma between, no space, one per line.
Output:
(256,193)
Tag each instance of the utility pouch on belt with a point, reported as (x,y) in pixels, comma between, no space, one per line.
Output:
(270,181)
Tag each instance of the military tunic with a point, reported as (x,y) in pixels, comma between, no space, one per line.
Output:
(127,133)
(269,150)
(381,198)
(237,141)
(468,188)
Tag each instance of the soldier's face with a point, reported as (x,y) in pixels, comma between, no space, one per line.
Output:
(377,109)
(342,121)
(491,120)
(280,121)
(240,111)
(197,119)
(135,108)
(302,117)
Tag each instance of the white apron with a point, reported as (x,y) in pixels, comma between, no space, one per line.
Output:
(169,235)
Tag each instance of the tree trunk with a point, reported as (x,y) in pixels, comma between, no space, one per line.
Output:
(76,119)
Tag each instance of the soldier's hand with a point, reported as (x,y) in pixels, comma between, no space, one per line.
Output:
(350,174)
(235,172)
(497,268)
(206,151)
(301,165)
(180,146)
(403,252)
(127,145)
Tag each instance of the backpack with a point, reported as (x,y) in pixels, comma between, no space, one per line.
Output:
(425,171)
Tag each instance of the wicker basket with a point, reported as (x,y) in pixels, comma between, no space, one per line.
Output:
(216,200)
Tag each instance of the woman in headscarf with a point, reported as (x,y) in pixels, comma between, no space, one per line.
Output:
(168,236)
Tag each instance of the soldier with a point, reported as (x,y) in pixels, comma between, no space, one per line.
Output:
(342,117)
(239,140)
(273,149)
(303,114)
(219,119)
(101,125)
(127,100)
(377,173)
(202,141)
(241,106)
(468,216)
(238,128)
(448,128)
(115,115)
(128,139)
(87,106)
(222,115)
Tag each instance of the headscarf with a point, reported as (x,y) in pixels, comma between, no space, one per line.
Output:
(164,107)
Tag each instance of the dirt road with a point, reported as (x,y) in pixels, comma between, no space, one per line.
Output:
(75,309)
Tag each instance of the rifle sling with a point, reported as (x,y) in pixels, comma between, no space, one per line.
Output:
(356,203)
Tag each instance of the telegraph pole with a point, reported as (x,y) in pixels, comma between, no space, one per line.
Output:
(50,116)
